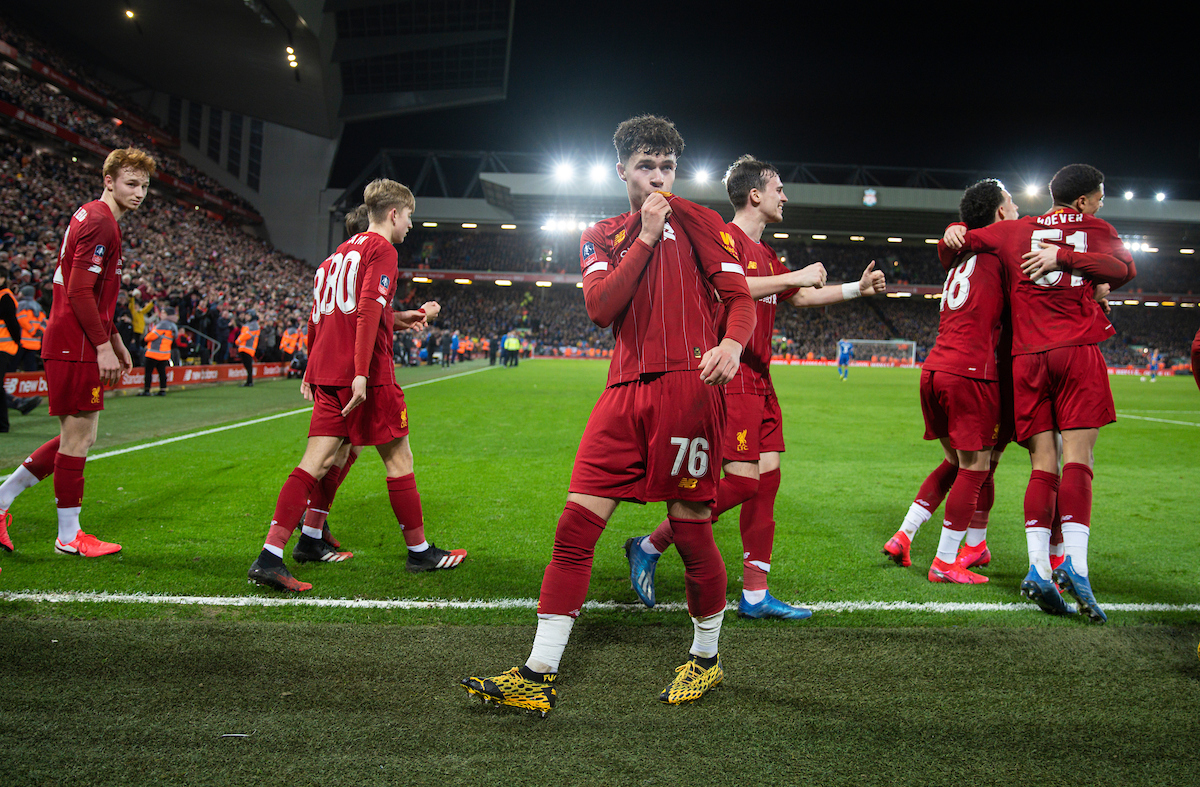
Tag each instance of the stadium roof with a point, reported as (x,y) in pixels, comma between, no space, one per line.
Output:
(355,59)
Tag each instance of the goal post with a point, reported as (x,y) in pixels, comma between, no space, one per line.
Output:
(889,352)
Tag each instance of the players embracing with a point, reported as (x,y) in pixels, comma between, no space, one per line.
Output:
(1060,381)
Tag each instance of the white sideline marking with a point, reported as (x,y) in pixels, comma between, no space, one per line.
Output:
(942,608)
(227,427)
(1157,420)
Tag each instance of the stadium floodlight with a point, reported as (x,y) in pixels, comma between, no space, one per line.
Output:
(291,56)
(782,235)
(291,51)
(129,13)
(563,172)
(294,64)
(422,280)
(1186,305)
(1131,302)
(428,223)
(599,173)
(469,226)
(1160,196)
(462,281)
(1187,251)
(857,238)
(1129,195)
(1150,303)
(1168,303)
(701,176)
(1031,190)
(503,283)
(579,285)
(582,226)
(542,283)
(508,226)
(895,240)
(820,237)
(931,241)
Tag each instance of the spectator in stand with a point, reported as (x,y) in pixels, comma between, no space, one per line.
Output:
(137,314)
(32,318)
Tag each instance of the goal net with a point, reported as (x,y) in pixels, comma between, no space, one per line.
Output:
(889,352)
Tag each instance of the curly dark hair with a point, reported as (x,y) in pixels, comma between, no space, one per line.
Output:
(980,202)
(647,134)
(745,175)
(1074,181)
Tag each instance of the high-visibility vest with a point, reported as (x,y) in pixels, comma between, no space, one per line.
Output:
(33,326)
(7,343)
(287,344)
(158,342)
(247,341)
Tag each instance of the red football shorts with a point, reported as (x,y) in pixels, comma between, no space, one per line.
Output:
(74,387)
(382,418)
(654,439)
(753,425)
(1063,388)
(965,410)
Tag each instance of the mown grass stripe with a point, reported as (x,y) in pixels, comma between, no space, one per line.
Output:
(1157,420)
(939,607)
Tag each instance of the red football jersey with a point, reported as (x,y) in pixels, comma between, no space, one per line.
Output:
(969,318)
(671,320)
(759,259)
(1058,310)
(91,245)
(363,268)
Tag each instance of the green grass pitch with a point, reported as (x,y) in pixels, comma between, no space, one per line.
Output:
(108,693)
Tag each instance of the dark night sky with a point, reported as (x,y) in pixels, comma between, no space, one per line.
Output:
(1025,94)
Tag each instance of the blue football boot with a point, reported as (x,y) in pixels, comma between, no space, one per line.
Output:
(771,607)
(1044,593)
(1079,587)
(641,569)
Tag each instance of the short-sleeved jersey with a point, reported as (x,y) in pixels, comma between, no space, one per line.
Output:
(1059,309)
(364,267)
(845,350)
(754,372)
(672,319)
(92,243)
(970,319)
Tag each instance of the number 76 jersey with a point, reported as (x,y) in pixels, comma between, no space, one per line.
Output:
(1059,309)
(363,268)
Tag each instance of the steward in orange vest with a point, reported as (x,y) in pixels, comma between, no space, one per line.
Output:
(32,318)
(289,342)
(158,341)
(247,345)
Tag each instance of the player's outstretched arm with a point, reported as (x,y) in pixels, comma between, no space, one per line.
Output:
(811,276)
(871,283)
(1097,266)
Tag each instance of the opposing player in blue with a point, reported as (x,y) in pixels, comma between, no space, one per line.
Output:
(845,353)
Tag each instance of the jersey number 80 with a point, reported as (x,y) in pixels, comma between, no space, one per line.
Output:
(337,288)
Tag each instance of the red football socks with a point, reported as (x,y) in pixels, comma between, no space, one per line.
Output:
(1075,494)
(68,480)
(964,494)
(406,505)
(293,498)
(41,462)
(936,485)
(757,523)
(1039,499)
(565,583)
(703,567)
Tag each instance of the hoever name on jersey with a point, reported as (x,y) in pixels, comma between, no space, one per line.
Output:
(362,269)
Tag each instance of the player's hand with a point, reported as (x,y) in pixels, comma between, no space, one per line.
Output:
(955,234)
(110,365)
(123,356)
(414,319)
(306,391)
(431,309)
(1101,296)
(872,281)
(811,276)
(720,364)
(1038,263)
(655,211)
(358,394)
